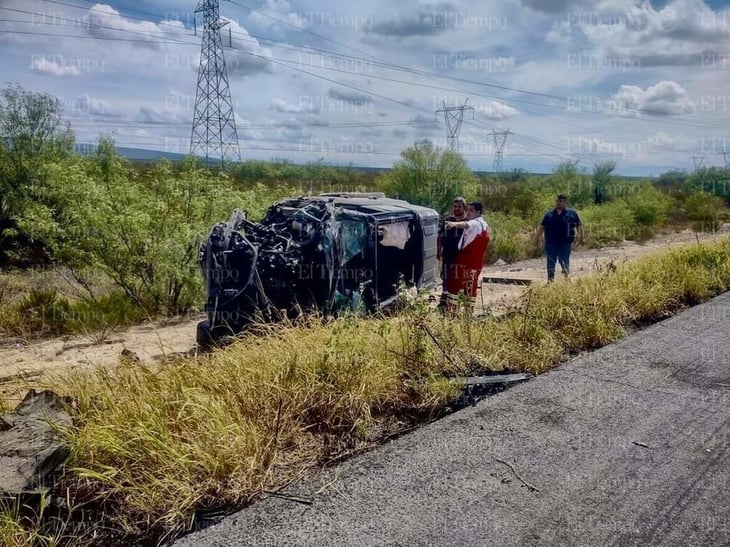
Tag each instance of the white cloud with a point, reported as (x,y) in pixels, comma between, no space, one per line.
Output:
(666,98)
(661,140)
(154,115)
(678,34)
(54,67)
(94,106)
(247,57)
(104,20)
(280,105)
(495,110)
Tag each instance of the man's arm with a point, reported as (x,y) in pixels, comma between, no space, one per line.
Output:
(538,235)
(464,224)
(581,235)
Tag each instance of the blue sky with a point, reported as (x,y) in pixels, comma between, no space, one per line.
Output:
(645,84)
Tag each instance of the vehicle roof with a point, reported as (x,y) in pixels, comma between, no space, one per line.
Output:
(374,202)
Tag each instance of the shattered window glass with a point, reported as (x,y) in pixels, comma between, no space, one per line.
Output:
(352,239)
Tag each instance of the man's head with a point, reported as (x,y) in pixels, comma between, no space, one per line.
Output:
(474,210)
(561,202)
(459,207)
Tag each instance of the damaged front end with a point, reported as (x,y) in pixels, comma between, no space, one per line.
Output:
(323,254)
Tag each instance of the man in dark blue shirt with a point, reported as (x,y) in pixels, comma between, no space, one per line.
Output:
(560,227)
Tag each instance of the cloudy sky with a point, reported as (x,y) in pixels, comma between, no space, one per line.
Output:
(644,83)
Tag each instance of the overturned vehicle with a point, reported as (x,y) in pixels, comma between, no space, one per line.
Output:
(325,254)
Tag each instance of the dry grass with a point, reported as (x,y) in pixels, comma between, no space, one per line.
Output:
(154,447)
(23,526)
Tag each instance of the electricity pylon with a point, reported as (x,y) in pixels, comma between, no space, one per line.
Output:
(454,117)
(698,160)
(500,139)
(214,126)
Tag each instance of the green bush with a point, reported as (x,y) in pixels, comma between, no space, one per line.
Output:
(109,311)
(649,206)
(609,223)
(41,312)
(139,230)
(711,180)
(705,210)
(510,238)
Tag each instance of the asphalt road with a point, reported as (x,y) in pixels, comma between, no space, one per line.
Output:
(629,445)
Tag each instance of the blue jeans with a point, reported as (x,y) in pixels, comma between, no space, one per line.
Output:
(557,252)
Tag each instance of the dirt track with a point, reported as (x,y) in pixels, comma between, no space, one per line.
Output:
(164,338)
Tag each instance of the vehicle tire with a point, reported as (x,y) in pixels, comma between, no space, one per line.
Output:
(204,336)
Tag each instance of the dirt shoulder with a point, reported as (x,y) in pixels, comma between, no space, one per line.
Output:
(152,340)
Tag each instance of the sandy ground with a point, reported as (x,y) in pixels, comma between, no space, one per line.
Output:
(153,340)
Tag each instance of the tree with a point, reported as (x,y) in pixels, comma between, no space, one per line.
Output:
(674,177)
(428,176)
(712,180)
(32,133)
(601,179)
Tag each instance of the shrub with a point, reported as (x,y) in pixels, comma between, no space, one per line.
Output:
(42,312)
(705,210)
(649,206)
(110,311)
(510,238)
(608,224)
(140,231)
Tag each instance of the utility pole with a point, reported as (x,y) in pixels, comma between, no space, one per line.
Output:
(698,160)
(726,157)
(214,127)
(500,139)
(454,116)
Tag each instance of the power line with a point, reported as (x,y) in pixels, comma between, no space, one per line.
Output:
(384,64)
(542,143)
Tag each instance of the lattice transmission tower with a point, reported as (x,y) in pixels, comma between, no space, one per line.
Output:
(500,139)
(214,126)
(454,117)
(698,160)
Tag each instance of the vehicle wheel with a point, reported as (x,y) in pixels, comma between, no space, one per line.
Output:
(204,336)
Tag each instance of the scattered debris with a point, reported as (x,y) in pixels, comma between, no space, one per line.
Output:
(523,481)
(27,375)
(282,495)
(31,451)
(637,443)
(477,388)
(129,356)
(85,345)
(507,280)
(496,379)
